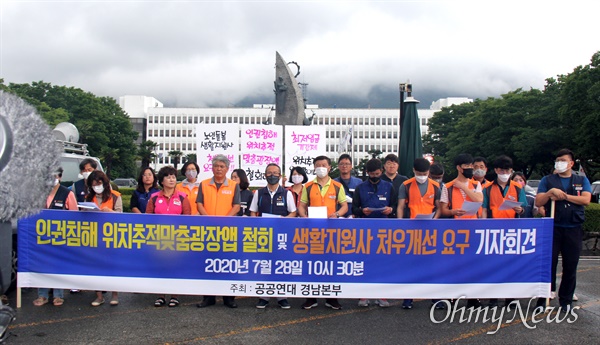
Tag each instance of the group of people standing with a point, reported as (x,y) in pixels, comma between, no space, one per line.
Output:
(385,194)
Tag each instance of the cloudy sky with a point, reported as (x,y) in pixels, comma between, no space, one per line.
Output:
(351,53)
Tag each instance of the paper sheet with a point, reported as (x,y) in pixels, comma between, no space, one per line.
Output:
(471,208)
(88,205)
(509,205)
(317,212)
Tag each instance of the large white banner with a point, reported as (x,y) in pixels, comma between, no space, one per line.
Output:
(212,139)
(261,145)
(302,145)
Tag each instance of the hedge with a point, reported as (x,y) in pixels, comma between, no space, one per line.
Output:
(592,218)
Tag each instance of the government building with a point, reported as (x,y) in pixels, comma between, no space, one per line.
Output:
(174,128)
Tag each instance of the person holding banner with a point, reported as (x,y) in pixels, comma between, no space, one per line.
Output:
(347,180)
(107,200)
(420,196)
(570,193)
(374,198)
(60,198)
(240,177)
(272,201)
(299,178)
(169,200)
(498,194)
(458,191)
(218,196)
(323,192)
(189,186)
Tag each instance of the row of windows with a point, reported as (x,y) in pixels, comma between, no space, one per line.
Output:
(259,119)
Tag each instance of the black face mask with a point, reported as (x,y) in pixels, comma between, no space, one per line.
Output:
(272,180)
(374,179)
(468,173)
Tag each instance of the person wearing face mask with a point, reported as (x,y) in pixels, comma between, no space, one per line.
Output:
(79,188)
(501,189)
(107,200)
(323,191)
(462,188)
(347,180)
(494,195)
(570,193)
(480,170)
(421,195)
(273,200)
(374,198)
(436,173)
(190,185)
(60,198)
(299,178)
(531,210)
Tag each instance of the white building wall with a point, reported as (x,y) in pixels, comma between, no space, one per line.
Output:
(174,128)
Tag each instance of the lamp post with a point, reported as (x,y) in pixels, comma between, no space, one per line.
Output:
(404,87)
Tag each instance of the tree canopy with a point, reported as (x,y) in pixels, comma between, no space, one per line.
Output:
(529,126)
(101,122)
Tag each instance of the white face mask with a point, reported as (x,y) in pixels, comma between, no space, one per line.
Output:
(191,174)
(86,174)
(56,181)
(421,179)
(479,173)
(297,179)
(321,172)
(439,180)
(503,177)
(561,167)
(98,189)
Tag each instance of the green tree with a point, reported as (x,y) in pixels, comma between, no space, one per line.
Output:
(146,152)
(175,157)
(191,157)
(101,122)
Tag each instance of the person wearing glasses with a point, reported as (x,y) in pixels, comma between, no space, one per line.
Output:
(347,180)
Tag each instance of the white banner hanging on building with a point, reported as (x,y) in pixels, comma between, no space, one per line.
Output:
(261,145)
(302,145)
(213,139)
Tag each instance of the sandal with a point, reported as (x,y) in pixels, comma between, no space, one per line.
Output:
(173,302)
(160,302)
(40,301)
(58,301)
(97,302)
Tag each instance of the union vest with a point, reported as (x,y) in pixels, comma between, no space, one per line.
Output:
(110,203)
(60,199)
(566,212)
(218,202)
(80,190)
(421,204)
(191,195)
(455,198)
(330,198)
(172,205)
(495,199)
(277,205)
(371,198)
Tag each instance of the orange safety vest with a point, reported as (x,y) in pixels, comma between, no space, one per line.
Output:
(455,198)
(417,203)
(330,198)
(495,199)
(191,194)
(218,202)
(110,203)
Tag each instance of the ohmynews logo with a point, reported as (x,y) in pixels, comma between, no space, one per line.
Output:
(496,314)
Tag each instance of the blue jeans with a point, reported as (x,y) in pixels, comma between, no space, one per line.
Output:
(44,292)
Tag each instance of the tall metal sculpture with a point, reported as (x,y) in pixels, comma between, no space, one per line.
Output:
(289,103)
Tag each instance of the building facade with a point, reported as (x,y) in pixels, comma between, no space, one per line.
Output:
(174,128)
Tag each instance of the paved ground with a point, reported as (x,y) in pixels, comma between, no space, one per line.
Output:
(136,321)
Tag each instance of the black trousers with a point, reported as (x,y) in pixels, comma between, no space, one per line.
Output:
(568,242)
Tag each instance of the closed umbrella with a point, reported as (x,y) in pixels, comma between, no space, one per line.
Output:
(411,146)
